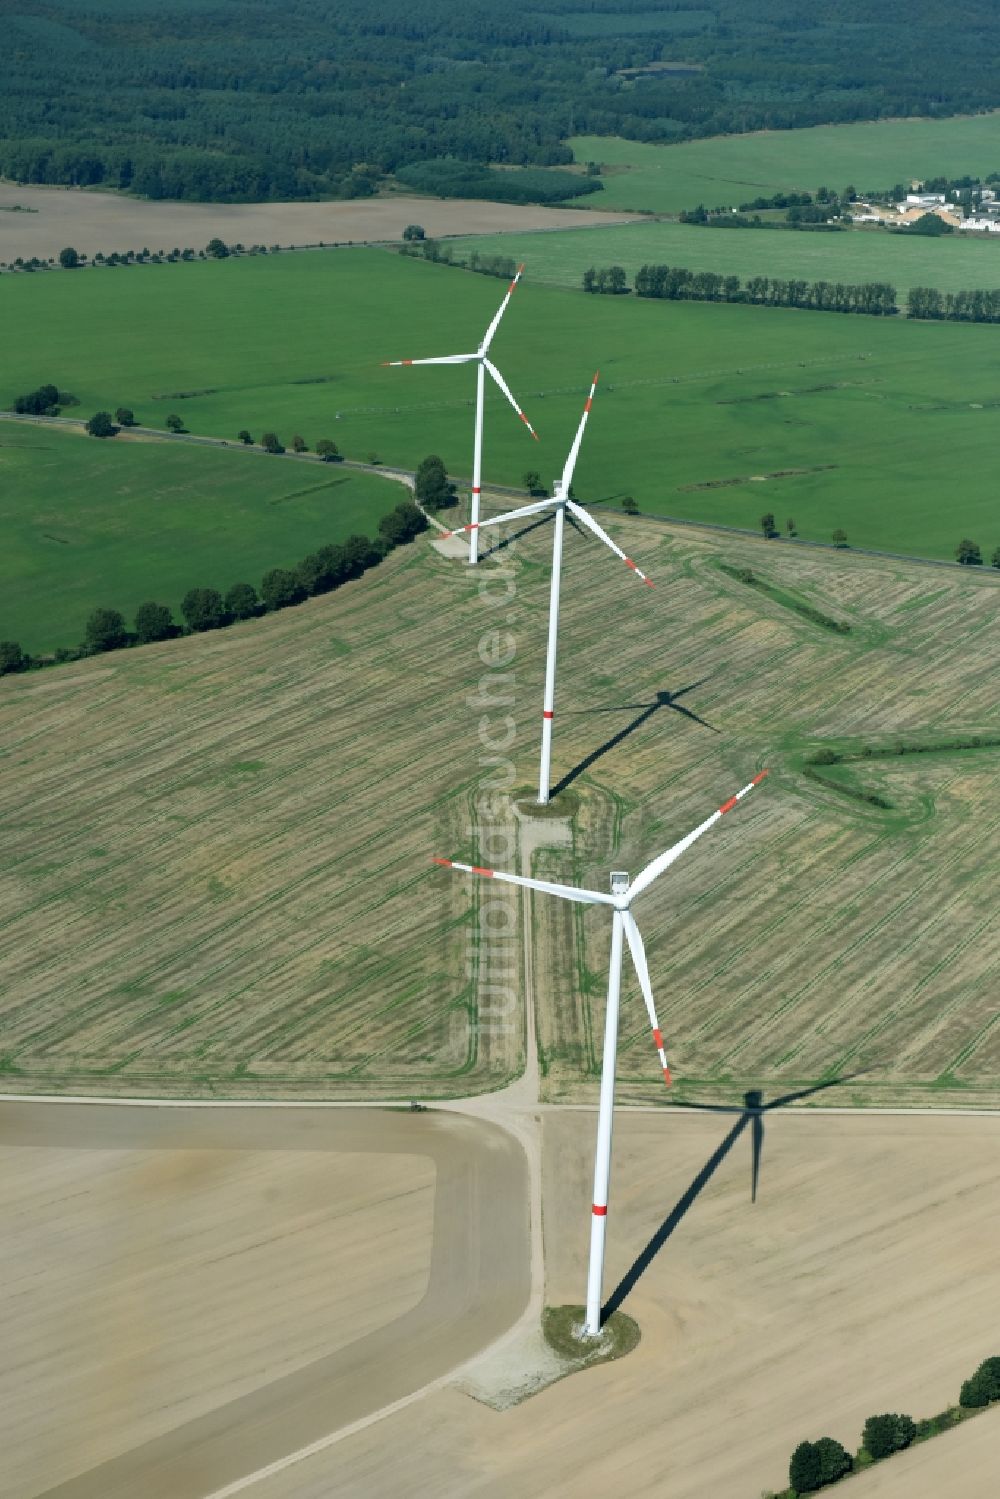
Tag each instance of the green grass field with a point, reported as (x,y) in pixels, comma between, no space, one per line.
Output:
(887,429)
(88,523)
(951,263)
(735,168)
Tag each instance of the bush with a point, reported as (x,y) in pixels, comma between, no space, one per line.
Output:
(101,425)
(299,444)
(327,450)
(402,524)
(884,1435)
(834,1459)
(984,1386)
(12,658)
(174,423)
(280,588)
(125,416)
(153,622)
(203,609)
(37,402)
(244,437)
(968,553)
(105,631)
(804,1469)
(241,601)
(270,443)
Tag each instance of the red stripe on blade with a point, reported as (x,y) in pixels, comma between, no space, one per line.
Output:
(666,1076)
(728,806)
(599,1212)
(759,777)
(657,1039)
(587,404)
(445,862)
(487,872)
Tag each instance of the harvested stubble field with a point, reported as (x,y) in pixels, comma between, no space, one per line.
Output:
(855,1283)
(41,221)
(216,870)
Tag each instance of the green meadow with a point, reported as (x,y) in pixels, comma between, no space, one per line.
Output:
(735,168)
(953,262)
(886,429)
(88,523)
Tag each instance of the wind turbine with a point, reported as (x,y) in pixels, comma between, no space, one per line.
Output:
(623,925)
(483,364)
(560,502)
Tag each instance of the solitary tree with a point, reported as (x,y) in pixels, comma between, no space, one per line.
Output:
(269,442)
(884,1435)
(767,524)
(241,601)
(12,658)
(125,416)
(984,1386)
(153,622)
(995,559)
(203,608)
(69,259)
(532,480)
(968,553)
(790,526)
(327,450)
(299,444)
(174,423)
(629,505)
(413,231)
(279,588)
(805,1471)
(431,485)
(101,425)
(245,437)
(105,631)
(217,248)
(840,538)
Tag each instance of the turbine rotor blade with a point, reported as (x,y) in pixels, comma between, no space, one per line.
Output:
(574,452)
(488,335)
(509,394)
(638,952)
(652,871)
(568,892)
(444,359)
(602,535)
(498,520)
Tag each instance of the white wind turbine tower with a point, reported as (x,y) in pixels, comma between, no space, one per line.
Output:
(623,925)
(560,502)
(483,363)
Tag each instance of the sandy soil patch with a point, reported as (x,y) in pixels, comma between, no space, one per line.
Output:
(93,222)
(860,1280)
(182,1310)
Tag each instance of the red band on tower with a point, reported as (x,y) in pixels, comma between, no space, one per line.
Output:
(600,1212)
(546,713)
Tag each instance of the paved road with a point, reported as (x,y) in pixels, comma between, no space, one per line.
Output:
(479,1280)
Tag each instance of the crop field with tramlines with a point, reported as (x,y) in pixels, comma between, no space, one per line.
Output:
(216,867)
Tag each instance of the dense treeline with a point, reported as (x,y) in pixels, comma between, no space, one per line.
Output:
(677,284)
(956,306)
(207,609)
(315,97)
(451,178)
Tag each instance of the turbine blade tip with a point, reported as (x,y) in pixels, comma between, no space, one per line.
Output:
(597,376)
(759,777)
(666,1076)
(445,862)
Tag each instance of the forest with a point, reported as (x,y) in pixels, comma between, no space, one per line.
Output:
(214,100)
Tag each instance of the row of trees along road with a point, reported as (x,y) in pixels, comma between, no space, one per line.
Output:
(816,1465)
(207,609)
(678,284)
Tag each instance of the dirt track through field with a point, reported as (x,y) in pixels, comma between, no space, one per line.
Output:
(215,1368)
(105,222)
